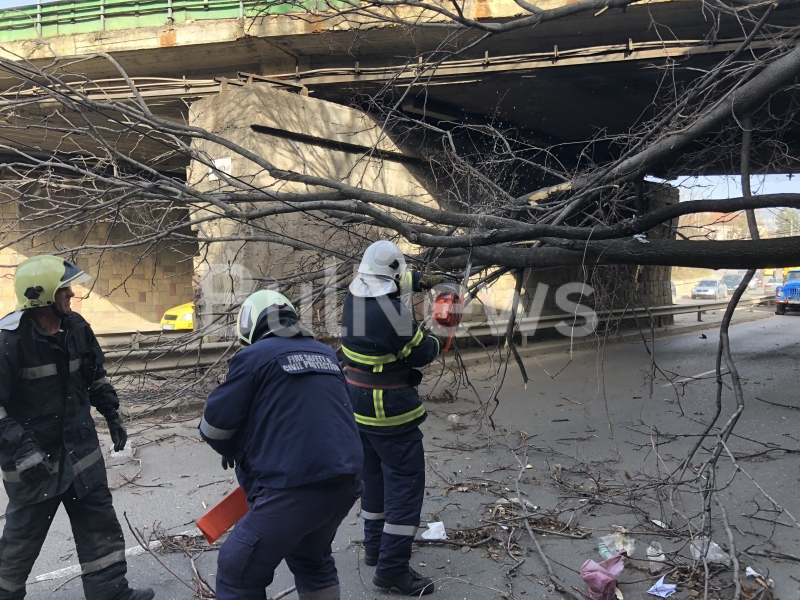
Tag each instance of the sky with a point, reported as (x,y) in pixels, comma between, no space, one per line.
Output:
(711,188)
(15,3)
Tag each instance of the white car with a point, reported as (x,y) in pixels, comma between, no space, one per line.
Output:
(712,289)
(770,285)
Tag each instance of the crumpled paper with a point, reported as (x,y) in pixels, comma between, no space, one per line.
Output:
(602,577)
(661,589)
(712,551)
(435,531)
(750,572)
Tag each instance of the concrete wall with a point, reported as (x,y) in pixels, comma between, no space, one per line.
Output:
(130,288)
(233,115)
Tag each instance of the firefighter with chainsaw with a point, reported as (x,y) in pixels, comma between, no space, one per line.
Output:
(51,375)
(283,418)
(383,347)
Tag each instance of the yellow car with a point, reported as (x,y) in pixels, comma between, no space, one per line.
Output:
(180,318)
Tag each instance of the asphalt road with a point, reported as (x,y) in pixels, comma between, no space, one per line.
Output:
(563,412)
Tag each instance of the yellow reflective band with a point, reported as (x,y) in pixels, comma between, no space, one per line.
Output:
(377,397)
(365,359)
(392,421)
(415,341)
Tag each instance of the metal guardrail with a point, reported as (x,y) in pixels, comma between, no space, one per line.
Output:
(150,353)
(158,358)
(68,17)
(529,325)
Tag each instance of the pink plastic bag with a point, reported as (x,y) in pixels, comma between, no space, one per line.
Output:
(602,577)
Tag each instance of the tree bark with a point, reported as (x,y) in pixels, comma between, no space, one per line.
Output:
(737,254)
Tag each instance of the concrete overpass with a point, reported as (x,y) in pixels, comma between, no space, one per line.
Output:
(560,83)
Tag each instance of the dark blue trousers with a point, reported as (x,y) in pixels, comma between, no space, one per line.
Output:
(394,486)
(296,524)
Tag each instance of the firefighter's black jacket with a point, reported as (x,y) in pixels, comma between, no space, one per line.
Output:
(48,384)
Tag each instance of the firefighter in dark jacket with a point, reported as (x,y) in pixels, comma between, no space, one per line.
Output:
(383,347)
(283,418)
(51,374)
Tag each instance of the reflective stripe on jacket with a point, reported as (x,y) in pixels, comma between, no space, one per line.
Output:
(48,384)
(284,410)
(380,334)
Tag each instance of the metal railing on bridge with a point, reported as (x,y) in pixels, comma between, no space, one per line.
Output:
(71,17)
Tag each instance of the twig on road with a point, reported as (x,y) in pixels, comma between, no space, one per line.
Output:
(777,404)
(146,547)
(559,585)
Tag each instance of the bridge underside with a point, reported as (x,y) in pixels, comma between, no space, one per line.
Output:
(559,84)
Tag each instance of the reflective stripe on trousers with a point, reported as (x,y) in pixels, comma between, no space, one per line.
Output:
(11,586)
(328,593)
(371,516)
(103,562)
(407,530)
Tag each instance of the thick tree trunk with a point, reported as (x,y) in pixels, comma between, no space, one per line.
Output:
(744,254)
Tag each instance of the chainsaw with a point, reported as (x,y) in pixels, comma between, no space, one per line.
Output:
(446,311)
(447,308)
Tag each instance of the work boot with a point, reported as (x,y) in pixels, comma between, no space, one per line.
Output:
(410,583)
(370,561)
(141,594)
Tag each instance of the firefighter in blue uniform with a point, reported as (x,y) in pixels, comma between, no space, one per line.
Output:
(382,348)
(283,418)
(51,375)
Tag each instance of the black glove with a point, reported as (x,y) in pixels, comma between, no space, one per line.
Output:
(32,466)
(117,430)
(442,339)
(426,282)
(228,462)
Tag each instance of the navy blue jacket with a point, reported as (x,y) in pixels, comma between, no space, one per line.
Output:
(284,410)
(380,335)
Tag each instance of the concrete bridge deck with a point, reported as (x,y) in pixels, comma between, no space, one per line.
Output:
(561,82)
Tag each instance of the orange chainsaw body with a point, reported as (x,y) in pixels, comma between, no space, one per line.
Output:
(446,312)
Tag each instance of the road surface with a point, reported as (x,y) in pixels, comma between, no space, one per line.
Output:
(569,445)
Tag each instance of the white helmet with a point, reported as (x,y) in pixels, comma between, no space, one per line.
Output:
(384,259)
(380,270)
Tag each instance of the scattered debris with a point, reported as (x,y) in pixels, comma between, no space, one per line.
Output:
(656,558)
(750,572)
(435,531)
(516,501)
(661,589)
(660,524)
(602,577)
(124,456)
(713,553)
(616,543)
